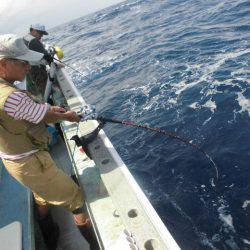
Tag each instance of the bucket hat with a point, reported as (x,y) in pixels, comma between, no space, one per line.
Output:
(39,27)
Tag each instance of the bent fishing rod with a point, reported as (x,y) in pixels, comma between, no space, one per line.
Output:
(90,114)
(166,133)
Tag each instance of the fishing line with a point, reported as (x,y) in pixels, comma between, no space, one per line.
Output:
(157,130)
(166,133)
(69,67)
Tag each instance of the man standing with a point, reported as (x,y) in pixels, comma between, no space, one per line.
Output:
(23,120)
(37,77)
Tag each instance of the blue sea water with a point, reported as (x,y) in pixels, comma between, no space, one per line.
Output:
(182,66)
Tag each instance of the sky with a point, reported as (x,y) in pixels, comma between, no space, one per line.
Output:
(16,16)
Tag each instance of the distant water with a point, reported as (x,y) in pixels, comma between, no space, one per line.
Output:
(182,66)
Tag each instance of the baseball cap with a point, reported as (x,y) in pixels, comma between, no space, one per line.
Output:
(13,46)
(39,27)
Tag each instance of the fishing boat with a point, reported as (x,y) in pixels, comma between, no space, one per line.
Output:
(121,215)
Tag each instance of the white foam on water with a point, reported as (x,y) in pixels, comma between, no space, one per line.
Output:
(204,74)
(241,72)
(144,89)
(232,244)
(205,241)
(172,101)
(152,103)
(213,91)
(244,103)
(212,180)
(206,121)
(246,241)
(186,86)
(211,105)
(225,217)
(228,219)
(194,105)
(208,70)
(216,238)
(245,204)
(216,8)
(225,56)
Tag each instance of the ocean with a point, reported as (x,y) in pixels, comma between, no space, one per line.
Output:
(182,66)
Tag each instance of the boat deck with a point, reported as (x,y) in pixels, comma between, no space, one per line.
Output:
(15,205)
(70,237)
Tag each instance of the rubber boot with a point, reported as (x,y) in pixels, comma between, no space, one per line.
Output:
(49,230)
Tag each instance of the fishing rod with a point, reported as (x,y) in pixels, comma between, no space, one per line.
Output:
(166,133)
(89,113)
(69,67)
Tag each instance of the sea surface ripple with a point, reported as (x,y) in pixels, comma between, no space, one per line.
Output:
(182,66)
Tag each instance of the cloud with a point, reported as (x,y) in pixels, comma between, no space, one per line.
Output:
(17,15)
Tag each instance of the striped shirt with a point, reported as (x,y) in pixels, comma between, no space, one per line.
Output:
(21,107)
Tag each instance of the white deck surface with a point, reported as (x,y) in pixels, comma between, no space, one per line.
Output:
(11,236)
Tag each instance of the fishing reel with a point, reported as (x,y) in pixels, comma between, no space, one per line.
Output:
(88,112)
(55,50)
